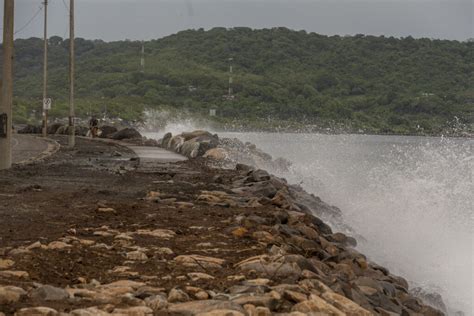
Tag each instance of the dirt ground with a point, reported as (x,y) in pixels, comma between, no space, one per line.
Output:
(59,198)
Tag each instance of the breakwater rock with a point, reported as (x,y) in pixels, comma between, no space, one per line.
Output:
(223,152)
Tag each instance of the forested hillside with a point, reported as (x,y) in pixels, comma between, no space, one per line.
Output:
(376,84)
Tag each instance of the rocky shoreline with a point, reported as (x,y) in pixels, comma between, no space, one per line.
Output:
(189,239)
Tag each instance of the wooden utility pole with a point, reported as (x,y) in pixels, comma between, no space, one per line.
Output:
(7,87)
(72,132)
(45,70)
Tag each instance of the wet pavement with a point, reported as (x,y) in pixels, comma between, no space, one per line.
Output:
(26,147)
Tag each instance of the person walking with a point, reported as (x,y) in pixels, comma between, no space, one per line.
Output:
(94,127)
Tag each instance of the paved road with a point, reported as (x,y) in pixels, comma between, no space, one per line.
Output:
(149,155)
(26,147)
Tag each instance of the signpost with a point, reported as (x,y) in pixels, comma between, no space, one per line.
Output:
(47,102)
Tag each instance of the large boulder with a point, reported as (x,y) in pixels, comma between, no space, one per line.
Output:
(217,154)
(190,148)
(198,146)
(126,133)
(81,130)
(54,127)
(107,130)
(61,130)
(166,140)
(175,143)
(190,135)
(30,129)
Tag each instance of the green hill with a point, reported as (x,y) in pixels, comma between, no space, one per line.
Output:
(377,84)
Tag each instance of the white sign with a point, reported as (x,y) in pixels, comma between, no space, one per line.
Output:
(47,103)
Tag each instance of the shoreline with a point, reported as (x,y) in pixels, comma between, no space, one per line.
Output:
(178,239)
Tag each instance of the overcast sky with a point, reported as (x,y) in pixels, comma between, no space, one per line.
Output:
(150,19)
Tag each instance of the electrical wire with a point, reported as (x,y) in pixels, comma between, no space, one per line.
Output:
(31,20)
(65,6)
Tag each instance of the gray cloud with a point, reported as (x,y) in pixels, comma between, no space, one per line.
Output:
(149,19)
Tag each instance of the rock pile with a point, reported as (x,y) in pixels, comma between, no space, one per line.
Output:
(225,152)
(255,249)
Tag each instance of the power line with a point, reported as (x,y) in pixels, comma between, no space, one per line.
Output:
(66,7)
(31,20)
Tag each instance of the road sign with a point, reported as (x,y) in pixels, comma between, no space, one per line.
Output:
(47,103)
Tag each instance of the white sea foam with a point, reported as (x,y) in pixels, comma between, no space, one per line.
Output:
(410,197)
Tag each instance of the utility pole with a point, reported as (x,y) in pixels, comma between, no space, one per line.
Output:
(45,70)
(7,87)
(231,80)
(142,60)
(72,132)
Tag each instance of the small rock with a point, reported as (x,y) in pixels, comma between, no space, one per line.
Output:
(124,283)
(6,264)
(344,304)
(294,296)
(236,277)
(257,311)
(91,311)
(102,233)
(257,282)
(190,308)
(317,305)
(37,311)
(123,236)
(196,276)
(106,210)
(18,252)
(137,256)
(164,251)
(257,300)
(14,274)
(58,245)
(221,312)
(134,311)
(263,236)
(159,233)
(176,295)
(10,294)
(197,261)
(183,205)
(49,293)
(239,232)
(201,295)
(156,302)
(35,245)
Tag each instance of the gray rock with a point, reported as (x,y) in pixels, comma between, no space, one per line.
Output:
(190,148)
(429,297)
(49,293)
(107,130)
(166,140)
(61,130)
(175,143)
(54,127)
(199,133)
(126,133)
(258,176)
